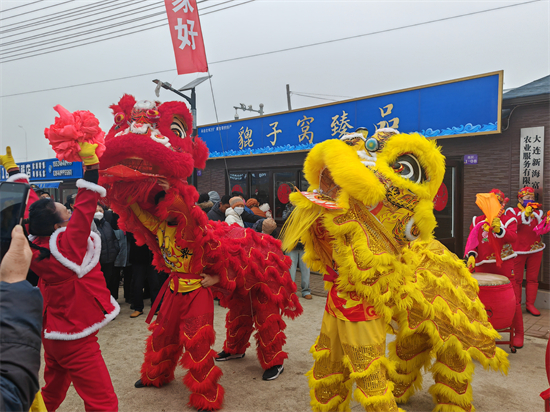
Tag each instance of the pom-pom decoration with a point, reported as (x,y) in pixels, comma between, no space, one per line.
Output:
(71,128)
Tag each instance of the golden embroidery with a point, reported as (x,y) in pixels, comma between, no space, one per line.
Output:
(325,367)
(323,342)
(407,349)
(378,239)
(362,356)
(537,245)
(325,393)
(375,383)
(484,344)
(452,361)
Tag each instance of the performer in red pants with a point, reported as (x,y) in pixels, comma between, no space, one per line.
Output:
(483,256)
(528,246)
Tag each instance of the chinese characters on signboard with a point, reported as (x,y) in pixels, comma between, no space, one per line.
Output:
(470,159)
(185,29)
(531,160)
(48,169)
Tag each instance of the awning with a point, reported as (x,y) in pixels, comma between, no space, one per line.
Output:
(46,185)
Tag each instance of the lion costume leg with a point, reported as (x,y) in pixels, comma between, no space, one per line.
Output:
(198,336)
(410,354)
(348,352)
(239,325)
(163,347)
(453,374)
(270,337)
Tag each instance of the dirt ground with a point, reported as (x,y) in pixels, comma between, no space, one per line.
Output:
(122,345)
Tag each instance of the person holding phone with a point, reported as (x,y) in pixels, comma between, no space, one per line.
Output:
(77,302)
(20,325)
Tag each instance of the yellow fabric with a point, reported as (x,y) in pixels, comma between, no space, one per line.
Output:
(38,404)
(186,285)
(176,259)
(346,353)
(7,160)
(87,153)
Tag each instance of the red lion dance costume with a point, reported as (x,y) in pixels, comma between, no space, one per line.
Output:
(149,156)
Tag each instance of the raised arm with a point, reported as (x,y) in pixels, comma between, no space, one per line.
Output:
(146,218)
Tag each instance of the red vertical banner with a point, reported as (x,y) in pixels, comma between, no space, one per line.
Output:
(185,29)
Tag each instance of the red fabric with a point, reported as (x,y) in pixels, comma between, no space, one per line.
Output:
(72,304)
(185,321)
(526,233)
(256,310)
(187,41)
(80,362)
(531,262)
(500,304)
(484,250)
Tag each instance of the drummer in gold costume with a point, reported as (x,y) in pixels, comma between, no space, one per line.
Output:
(366,224)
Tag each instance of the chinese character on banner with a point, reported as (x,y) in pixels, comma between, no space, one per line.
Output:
(340,124)
(304,125)
(245,138)
(391,123)
(185,29)
(532,160)
(274,133)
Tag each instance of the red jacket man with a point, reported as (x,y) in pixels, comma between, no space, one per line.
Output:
(528,245)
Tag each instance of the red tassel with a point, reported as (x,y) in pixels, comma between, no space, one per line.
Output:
(199,401)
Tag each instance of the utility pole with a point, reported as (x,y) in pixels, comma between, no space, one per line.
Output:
(288,97)
(192,101)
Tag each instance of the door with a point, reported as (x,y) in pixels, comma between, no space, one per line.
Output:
(448,208)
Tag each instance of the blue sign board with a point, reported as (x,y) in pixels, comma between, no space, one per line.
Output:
(48,169)
(470,159)
(461,107)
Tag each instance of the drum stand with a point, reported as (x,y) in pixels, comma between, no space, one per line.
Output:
(507,342)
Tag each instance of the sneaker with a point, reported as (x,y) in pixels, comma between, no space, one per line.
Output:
(139,384)
(222,356)
(308,297)
(273,372)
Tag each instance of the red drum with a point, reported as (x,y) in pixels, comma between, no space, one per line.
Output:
(497,294)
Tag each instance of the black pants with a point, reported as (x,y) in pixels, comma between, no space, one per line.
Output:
(128,283)
(141,273)
(112,278)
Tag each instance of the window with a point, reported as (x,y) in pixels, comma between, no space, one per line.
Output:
(283,185)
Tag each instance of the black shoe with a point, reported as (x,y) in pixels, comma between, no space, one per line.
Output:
(273,372)
(139,384)
(222,356)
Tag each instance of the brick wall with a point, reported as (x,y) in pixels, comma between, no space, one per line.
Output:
(498,166)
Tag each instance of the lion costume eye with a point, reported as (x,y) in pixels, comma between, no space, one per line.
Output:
(408,167)
(178,127)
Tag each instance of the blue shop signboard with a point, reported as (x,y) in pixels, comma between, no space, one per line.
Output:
(462,107)
(48,169)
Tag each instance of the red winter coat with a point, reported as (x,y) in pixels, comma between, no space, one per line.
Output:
(528,241)
(77,302)
(484,252)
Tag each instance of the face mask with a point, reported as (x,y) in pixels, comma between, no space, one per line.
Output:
(525,202)
(239,210)
(98,215)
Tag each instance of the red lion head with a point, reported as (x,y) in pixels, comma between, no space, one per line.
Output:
(148,143)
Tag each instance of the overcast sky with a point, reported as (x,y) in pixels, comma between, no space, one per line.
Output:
(397,45)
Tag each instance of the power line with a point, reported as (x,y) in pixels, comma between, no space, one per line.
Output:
(141,29)
(54,16)
(91,22)
(32,11)
(23,5)
(320,94)
(313,97)
(266,53)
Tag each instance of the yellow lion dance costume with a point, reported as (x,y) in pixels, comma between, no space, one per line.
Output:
(367,225)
